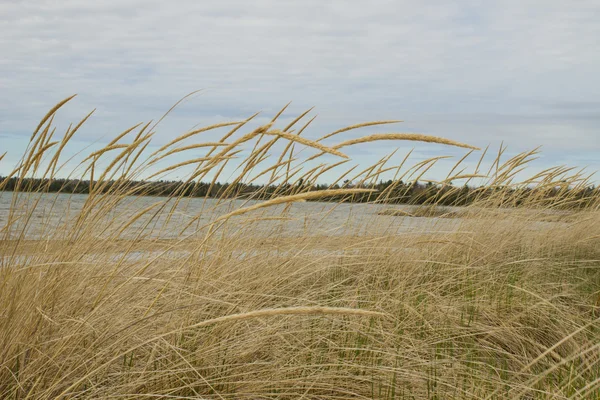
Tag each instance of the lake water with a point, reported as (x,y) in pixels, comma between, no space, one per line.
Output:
(52,216)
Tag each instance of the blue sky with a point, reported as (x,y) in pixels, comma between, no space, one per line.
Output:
(520,72)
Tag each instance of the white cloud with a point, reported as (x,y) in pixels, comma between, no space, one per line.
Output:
(477,72)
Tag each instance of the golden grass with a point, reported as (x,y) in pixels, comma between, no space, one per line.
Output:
(188,147)
(417,137)
(49,115)
(293,198)
(306,142)
(358,126)
(117,296)
(195,132)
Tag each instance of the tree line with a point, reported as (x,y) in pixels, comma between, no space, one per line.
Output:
(393,192)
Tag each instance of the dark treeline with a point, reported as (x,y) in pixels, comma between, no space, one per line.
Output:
(385,191)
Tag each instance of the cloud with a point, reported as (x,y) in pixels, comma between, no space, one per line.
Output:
(520,71)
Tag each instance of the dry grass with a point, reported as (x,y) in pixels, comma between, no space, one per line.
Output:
(103,297)
(423,211)
(416,137)
(433,211)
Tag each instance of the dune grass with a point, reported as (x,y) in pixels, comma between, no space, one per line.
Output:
(114,296)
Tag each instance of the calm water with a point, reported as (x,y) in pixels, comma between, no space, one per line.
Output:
(54,214)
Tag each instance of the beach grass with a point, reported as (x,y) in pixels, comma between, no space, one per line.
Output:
(112,302)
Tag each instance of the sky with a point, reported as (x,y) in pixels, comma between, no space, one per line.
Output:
(519,72)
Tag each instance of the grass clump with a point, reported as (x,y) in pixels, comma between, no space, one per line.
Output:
(116,295)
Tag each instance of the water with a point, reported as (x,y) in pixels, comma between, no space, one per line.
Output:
(53,216)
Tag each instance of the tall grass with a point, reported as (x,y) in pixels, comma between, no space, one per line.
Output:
(122,297)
